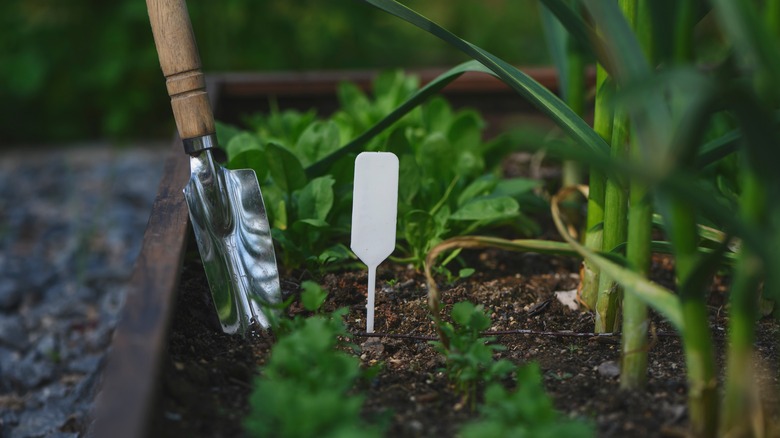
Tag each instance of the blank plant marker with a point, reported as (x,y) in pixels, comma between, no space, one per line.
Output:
(374,211)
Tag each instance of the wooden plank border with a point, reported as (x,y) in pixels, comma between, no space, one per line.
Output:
(130,380)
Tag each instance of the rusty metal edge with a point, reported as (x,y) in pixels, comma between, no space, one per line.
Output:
(129,384)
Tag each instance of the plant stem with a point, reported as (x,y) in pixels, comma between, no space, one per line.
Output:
(574,96)
(739,403)
(602,124)
(697,342)
(635,324)
(634,342)
(615,207)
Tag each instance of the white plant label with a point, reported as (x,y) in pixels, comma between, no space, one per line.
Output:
(374,211)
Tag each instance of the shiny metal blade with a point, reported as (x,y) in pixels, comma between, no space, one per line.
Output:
(234,239)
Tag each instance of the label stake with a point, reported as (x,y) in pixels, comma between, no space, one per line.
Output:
(374,211)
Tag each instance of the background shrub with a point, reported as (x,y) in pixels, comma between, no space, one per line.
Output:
(87,69)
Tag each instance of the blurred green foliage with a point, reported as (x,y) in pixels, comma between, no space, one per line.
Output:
(87,69)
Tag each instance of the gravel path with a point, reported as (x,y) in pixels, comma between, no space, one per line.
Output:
(71,223)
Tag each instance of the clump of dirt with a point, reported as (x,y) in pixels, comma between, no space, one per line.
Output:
(208,375)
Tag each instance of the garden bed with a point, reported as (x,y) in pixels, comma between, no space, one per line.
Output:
(208,376)
(195,381)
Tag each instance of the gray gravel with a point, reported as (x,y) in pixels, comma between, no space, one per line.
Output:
(71,224)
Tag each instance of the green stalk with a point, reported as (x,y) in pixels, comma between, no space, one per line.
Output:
(697,342)
(635,323)
(615,207)
(739,402)
(602,124)
(696,337)
(574,96)
(634,342)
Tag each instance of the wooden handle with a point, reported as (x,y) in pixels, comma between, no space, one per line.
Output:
(180,64)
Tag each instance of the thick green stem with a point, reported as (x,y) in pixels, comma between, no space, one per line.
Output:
(634,341)
(696,336)
(615,229)
(697,342)
(635,322)
(615,206)
(602,124)
(740,398)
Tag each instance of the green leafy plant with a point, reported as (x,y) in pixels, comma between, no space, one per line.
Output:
(449,177)
(469,355)
(305,387)
(526,411)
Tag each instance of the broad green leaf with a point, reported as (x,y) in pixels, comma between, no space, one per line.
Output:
(465,131)
(316,223)
(437,115)
(398,142)
(515,187)
(391,88)
(335,254)
(409,177)
(283,127)
(469,164)
(251,159)
(242,141)
(225,133)
(487,209)
(275,205)
(318,140)
(315,200)
(435,157)
(354,103)
(284,168)
(480,187)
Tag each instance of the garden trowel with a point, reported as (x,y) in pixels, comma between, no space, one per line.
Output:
(226,206)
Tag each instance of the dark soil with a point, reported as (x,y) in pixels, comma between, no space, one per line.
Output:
(208,375)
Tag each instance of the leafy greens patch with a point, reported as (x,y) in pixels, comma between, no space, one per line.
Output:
(450,182)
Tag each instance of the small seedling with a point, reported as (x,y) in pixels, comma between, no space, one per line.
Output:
(469,356)
(313,296)
(304,388)
(525,412)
